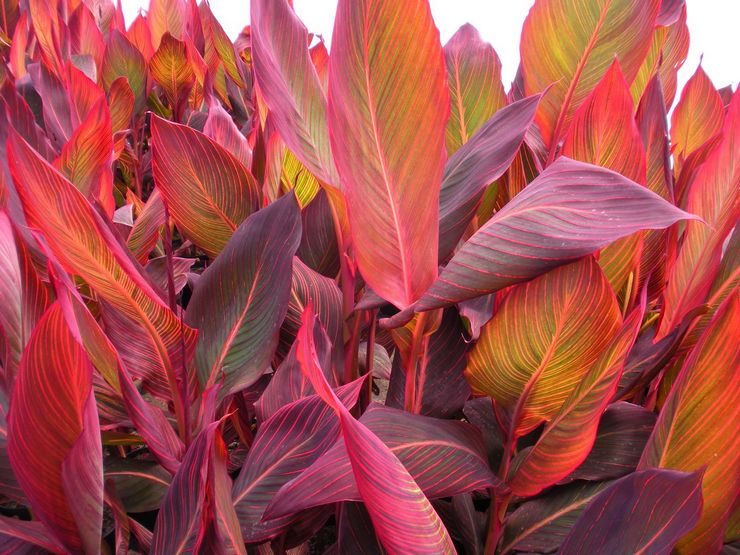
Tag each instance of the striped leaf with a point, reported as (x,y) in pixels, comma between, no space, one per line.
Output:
(696,427)
(123,59)
(242,298)
(166,16)
(538,347)
(623,431)
(697,117)
(569,436)
(83,243)
(644,512)
(441,387)
(404,520)
(432,451)
(289,84)
(570,44)
(540,525)
(388,108)
(295,436)
(170,67)
(207,190)
(54,407)
(603,132)
(715,196)
(86,159)
(476,91)
(479,162)
(23,298)
(572,209)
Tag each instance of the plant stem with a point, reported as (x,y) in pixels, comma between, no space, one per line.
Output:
(417,348)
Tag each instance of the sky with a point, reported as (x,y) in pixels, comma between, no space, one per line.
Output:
(712,26)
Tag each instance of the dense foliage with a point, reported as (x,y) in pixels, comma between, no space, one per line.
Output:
(256,298)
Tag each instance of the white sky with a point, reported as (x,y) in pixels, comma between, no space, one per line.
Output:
(713,25)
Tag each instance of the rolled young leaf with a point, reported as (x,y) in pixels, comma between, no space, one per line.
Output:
(242,298)
(572,209)
(388,108)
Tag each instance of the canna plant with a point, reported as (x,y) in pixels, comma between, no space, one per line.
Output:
(256,297)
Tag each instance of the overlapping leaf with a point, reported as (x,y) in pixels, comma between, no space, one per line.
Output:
(242,298)
(569,436)
(696,427)
(429,450)
(715,196)
(295,436)
(539,346)
(207,190)
(388,107)
(63,481)
(403,518)
(603,132)
(82,242)
(570,210)
(571,44)
(645,512)
(290,86)
(481,160)
(476,92)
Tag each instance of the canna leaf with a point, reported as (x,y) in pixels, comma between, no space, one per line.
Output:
(123,59)
(570,210)
(569,436)
(289,85)
(644,512)
(166,16)
(442,388)
(242,298)
(295,436)
(537,349)
(603,132)
(207,190)
(623,431)
(388,108)
(404,520)
(715,196)
(695,428)
(63,482)
(697,118)
(541,524)
(432,451)
(79,238)
(571,44)
(474,77)
(171,69)
(478,163)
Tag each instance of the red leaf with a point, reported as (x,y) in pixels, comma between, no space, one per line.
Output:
(388,109)
(63,481)
(395,503)
(290,86)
